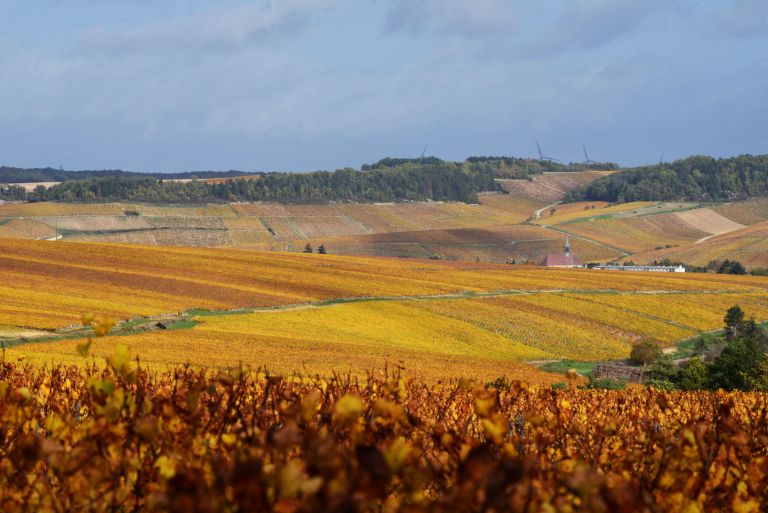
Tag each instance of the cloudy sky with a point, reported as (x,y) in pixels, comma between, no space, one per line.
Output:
(177,85)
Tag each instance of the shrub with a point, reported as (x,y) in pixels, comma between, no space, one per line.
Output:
(694,375)
(645,352)
(605,384)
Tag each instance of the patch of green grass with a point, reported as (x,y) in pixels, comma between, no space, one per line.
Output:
(202,312)
(185,324)
(563,366)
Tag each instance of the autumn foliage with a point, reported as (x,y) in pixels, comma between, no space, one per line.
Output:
(119,438)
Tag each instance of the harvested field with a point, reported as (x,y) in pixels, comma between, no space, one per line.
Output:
(550,187)
(60,209)
(25,229)
(748,212)
(709,221)
(97,223)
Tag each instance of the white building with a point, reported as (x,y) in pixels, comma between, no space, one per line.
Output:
(647,268)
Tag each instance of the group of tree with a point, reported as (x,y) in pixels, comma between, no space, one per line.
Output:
(12,192)
(389,179)
(49,174)
(736,360)
(440,181)
(697,178)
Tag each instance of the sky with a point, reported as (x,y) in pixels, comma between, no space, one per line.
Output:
(298,85)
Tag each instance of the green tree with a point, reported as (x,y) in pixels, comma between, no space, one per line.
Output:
(733,317)
(740,366)
(645,352)
(694,375)
(308,248)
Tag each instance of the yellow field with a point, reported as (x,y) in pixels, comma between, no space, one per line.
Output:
(47,284)
(429,335)
(438,318)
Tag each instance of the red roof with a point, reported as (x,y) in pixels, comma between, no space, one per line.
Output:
(561,260)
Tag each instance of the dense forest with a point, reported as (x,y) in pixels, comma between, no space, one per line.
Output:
(389,179)
(697,178)
(408,181)
(48,174)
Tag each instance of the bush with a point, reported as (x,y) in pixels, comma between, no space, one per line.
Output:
(559,386)
(645,352)
(661,384)
(742,365)
(604,384)
(694,375)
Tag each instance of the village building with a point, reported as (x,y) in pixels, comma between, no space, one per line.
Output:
(565,259)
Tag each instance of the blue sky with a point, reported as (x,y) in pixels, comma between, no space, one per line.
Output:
(178,85)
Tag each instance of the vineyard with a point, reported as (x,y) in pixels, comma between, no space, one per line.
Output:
(488,244)
(325,313)
(638,234)
(747,245)
(119,439)
(433,336)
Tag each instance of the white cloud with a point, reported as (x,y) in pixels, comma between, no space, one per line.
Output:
(463,17)
(217,29)
(589,24)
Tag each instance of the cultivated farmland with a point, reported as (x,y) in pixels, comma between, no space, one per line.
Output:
(323,313)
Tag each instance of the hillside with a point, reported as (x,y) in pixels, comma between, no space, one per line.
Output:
(698,178)
(327,313)
(748,245)
(683,232)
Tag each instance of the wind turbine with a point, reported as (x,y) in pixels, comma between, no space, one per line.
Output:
(542,156)
(587,162)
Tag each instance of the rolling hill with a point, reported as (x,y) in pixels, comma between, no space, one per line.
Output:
(326,313)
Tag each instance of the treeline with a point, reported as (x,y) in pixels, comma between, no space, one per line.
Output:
(697,178)
(12,192)
(389,179)
(409,181)
(48,174)
(736,360)
(502,167)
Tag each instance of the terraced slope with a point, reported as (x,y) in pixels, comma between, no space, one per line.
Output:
(550,187)
(746,212)
(492,244)
(709,221)
(638,234)
(748,245)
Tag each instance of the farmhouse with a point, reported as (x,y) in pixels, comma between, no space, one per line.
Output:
(565,259)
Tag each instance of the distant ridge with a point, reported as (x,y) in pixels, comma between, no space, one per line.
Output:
(48,174)
(696,178)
